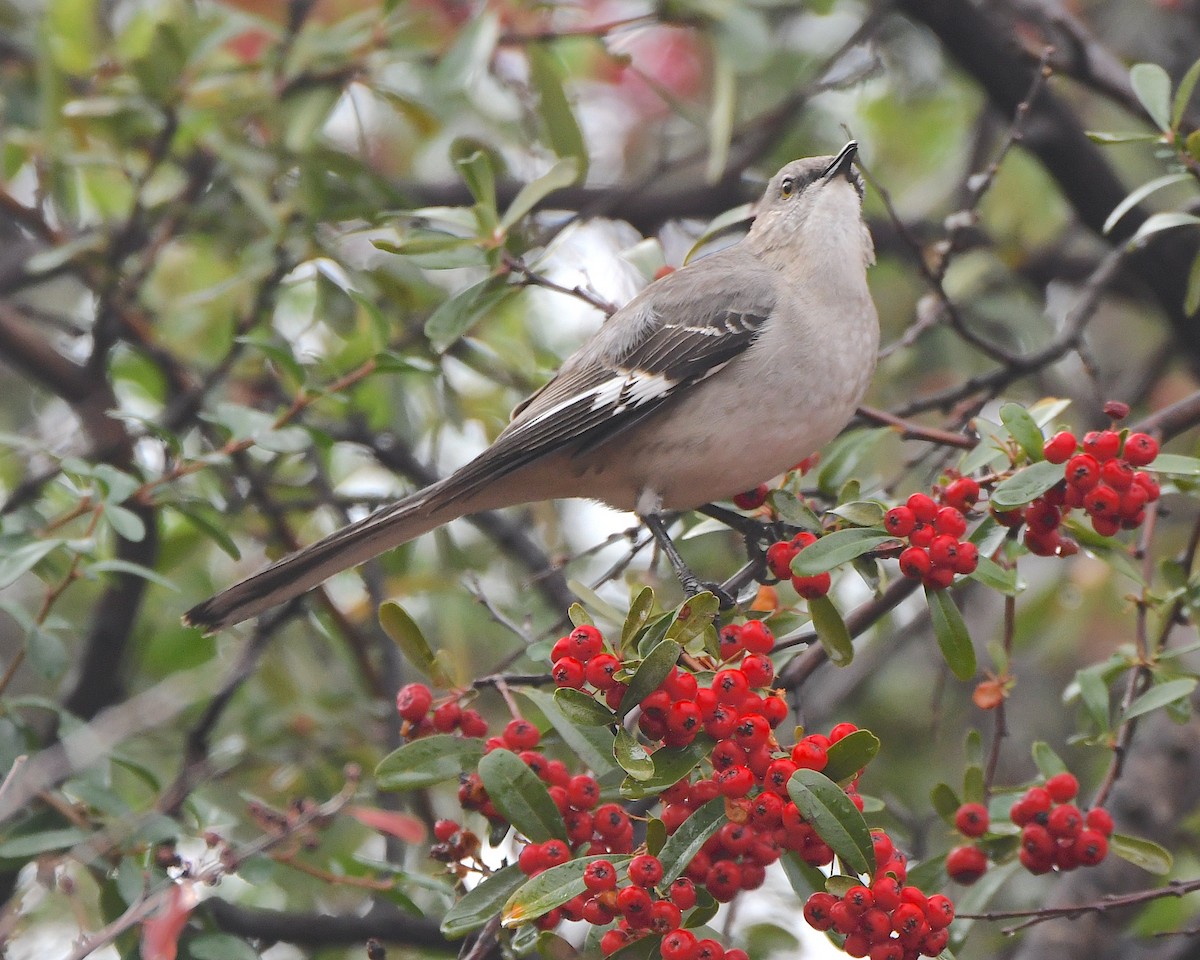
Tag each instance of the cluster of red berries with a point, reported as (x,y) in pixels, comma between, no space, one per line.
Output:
(414,702)
(1055,833)
(1101,478)
(885,921)
(936,550)
(779,561)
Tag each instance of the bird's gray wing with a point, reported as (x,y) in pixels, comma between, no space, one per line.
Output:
(676,333)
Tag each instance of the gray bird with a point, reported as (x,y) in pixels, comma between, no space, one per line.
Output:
(713,379)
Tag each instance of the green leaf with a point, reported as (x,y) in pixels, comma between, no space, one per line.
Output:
(1140,194)
(977,897)
(791,509)
(1048,762)
(592,745)
(1152,86)
(639,613)
(945,801)
(720,118)
(1160,695)
(831,630)
(1143,853)
(561,128)
(430,760)
(579,615)
(18,560)
(835,818)
(973,791)
(701,610)
(1175,465)
(582,709)
(861,513)
(520,796)
(1093,691)
(220,946)
(1026,485)
(472,50)
(841,458)
(455,316)
(1101,136)
(1024,430)
(851,754)
(631,756)
(564,173)
(671,764)
(805,879)
(209,522)
(837,548)
(951,633)
(550,888)
(1158,222)
(991,574)
(650,673)
(482,902)
(405,633)
(32,844)
(686,842)
(477,173)
(1183,94)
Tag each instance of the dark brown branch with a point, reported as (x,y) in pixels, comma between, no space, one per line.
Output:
(325,930)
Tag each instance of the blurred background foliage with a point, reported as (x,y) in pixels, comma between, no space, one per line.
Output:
(264,265)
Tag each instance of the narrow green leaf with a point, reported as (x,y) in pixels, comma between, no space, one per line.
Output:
(701,613)
(549,889)
(458,314)
(582,709)
(472,50)
(720,118)
(650,673)
(835,818)
(561,128)
(945,801)
(1100,136)
(832,631)
(579,615)
(1175,465)
(1140,194)
(1152,86)
(851,754)
(951,633)
(1143,853)
(482,902)
(519,794)
(1048,762)
(686,842)
(805,879)
(562,174)
(430,760)
(1026,485)
(861,513)
(1024,430)
(791,509)
(133,569)
(973,791)
(404,633)
(1093,691)
(1158,222)
(656,836)
(639,613)
(837,548)
(208,521)
(17,560)
(671,764)
(1183,94)
(32,844)
(631,756)
(1160,695)
(220,946)
(991,574)
(592,745)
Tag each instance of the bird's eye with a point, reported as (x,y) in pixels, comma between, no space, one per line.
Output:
(787,187)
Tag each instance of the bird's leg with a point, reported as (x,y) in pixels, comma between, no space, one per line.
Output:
(755,533)
(692,584)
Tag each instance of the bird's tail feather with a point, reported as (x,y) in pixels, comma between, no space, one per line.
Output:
(301,571)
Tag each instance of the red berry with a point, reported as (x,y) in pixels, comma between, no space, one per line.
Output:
(1140,449)
(1090,847)
(967,559)
(1116,410)
(678,945)
(924,507)
(900,521)
(734,782)
(634,904)
(966,864)
(612,941)
(585,642)
(939,911)
(1102,501)
(962,493)
(731,686)
(943,551)
(809,755)
(472,724)
(413,701)
(842,730)
(445,830)
(752,499)
(779,558)
(583,791)
(971,820)
(1083,471)
(521,735)
(777,775)
(774,709)
(814,586)
(886,891)
(1060,447)
(683,893)
(758,669)
(1062,787)
(950,521)
(1101,820)
(1102,444)
(568,672)
(1065,821)
(934,942)
(939,578)
(709,949)
(915,563)
(817,910)
(922,536)
(600,669)
(645,870)
(1118,474)
(447,716)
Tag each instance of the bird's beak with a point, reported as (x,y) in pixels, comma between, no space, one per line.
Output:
(843,163)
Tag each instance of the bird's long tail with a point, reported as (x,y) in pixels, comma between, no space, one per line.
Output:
(345,548)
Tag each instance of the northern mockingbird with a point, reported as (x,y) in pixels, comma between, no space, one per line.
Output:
(713,379)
